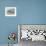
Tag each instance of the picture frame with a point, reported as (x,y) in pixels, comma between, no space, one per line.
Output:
(10,11)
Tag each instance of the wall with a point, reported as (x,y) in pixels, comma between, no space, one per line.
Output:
(28,12)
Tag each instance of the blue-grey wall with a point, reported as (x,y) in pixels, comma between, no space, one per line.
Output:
(28,12)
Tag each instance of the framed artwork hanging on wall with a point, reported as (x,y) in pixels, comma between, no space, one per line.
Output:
(10,11)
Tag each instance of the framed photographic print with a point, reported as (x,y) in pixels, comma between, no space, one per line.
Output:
(10,11)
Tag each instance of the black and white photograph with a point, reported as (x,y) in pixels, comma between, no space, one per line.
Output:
(10,11)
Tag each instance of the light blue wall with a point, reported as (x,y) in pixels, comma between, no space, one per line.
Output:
(28,12)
